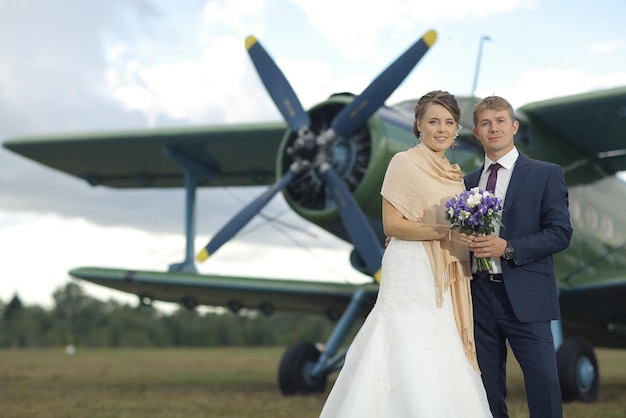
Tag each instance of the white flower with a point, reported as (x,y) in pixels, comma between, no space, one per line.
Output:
(475,199)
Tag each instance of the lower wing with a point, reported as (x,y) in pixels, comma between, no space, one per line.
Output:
(234,293)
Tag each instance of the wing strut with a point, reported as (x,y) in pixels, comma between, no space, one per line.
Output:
(192,171)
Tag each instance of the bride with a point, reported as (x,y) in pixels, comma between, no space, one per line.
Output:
(414,356)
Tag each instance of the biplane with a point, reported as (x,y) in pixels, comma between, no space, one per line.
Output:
(329,162)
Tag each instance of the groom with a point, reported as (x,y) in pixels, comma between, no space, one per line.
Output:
(517,298)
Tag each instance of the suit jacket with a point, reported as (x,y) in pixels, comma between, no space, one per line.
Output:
(537,224)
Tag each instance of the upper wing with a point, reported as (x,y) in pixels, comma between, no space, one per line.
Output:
(234,293)
(592,123)
(232,155)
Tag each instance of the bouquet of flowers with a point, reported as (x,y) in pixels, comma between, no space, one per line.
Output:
(475,212)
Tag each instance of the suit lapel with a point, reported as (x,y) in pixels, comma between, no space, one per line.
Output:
(517,176)
(473,178)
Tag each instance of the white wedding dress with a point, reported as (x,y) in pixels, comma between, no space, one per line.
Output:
(407,359)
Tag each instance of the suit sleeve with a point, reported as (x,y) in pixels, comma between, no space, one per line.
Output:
(553,231)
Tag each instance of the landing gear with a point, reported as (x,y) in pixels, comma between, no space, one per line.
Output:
(578,371)
(294,373)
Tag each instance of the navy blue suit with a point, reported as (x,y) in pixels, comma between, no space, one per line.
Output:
(537,224)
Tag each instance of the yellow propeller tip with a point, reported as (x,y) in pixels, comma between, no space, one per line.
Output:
(250,41)
(377,276)
(430,37)
(202,255)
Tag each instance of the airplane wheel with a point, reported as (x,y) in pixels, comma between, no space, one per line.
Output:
(295,368)
(578,371)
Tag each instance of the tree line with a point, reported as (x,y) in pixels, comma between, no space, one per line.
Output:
(80,320)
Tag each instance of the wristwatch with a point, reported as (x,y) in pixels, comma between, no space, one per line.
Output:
(509,252)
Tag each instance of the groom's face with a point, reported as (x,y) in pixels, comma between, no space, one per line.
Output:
(495,131)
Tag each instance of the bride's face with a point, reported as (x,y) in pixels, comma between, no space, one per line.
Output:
(438,128)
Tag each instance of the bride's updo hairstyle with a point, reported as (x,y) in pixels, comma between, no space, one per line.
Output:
(442,98)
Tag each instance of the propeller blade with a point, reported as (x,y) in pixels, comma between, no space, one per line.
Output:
(277,86)
(362,107)
(359,230)
(244,216)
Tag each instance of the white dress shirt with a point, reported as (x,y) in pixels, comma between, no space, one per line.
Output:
(507,163)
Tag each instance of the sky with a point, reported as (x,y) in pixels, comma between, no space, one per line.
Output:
(70,66)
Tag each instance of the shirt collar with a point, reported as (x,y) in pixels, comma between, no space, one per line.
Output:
(506,161)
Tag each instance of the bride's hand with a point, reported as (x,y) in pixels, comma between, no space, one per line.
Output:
(460,237)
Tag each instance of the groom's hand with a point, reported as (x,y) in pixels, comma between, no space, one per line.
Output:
(487,246)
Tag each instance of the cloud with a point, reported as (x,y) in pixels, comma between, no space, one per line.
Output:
(608,47)
(39,250)
(236,16)
(357,28)
(54,65)
(215,88)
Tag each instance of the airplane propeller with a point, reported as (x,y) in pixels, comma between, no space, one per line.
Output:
(359,230)
(312,152)
(245,215)
(277,86)
(361,108)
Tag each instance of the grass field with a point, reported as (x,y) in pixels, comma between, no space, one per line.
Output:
(213,382)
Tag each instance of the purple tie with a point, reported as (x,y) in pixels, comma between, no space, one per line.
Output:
(491,187)
(493,177)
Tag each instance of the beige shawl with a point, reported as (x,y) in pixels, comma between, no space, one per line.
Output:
(418,183)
